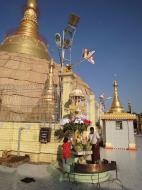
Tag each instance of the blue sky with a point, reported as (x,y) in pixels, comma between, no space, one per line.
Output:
(112,27)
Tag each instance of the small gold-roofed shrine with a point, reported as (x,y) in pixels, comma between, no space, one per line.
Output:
(78,101)
(117,116)
(118,130)
(78,98)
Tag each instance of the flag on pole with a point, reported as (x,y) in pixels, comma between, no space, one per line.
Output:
(89,55)
(102,97)
(108,98)
(102,102)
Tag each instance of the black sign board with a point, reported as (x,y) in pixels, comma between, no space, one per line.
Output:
(44,135)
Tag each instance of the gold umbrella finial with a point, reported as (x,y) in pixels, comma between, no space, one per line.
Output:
(51,73)
(32,4)
(29,23)
(116,105)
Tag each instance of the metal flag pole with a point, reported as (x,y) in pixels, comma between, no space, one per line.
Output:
(61,75)
(64,42)
(81,60)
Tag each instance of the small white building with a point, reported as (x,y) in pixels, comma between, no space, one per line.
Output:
(118,130)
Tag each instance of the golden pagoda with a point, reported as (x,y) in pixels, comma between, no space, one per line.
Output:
(30,92)
(24,67)
(117,110)
(27,39)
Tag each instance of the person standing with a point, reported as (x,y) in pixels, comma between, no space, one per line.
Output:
(94,140)
(66,147)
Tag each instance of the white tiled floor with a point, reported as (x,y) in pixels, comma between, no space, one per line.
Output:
(129,170)
(129,165)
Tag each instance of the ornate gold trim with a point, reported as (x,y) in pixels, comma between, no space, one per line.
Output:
(117,116)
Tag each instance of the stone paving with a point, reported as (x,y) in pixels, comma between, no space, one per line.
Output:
(47,176)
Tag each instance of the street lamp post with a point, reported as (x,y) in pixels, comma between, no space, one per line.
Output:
(64,42)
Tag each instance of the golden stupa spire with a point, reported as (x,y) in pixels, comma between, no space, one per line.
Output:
(129,107)
(48,99)
(49,91)
(116,105)
(27,39)
(29,23)
(32,4)
(51,74)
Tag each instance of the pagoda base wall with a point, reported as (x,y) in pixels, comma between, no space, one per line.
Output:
(23,138)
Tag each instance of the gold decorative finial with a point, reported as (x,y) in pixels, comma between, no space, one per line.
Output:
(49,84)
(51,73)
(32,4)
(116,105)
(129,107)
(27,39)
(29,24)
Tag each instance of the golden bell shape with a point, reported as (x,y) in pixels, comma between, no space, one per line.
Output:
(116,105)
(32,4)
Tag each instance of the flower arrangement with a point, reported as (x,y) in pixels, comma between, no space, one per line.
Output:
(75,124)
(78,147)
(74,128)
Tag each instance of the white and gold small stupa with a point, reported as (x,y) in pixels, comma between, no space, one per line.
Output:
(118,131)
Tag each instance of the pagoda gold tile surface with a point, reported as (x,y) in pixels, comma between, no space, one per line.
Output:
(22,82)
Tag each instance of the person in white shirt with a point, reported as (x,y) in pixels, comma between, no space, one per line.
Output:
(94,140)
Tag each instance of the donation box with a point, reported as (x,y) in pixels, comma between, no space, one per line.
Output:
(45,135)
